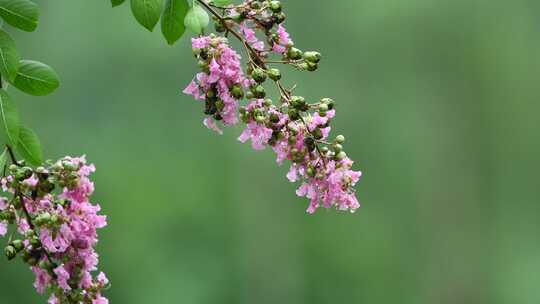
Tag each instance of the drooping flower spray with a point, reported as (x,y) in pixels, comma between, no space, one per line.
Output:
(295,129)
(52,226)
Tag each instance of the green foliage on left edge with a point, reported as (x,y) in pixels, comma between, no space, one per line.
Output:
(22,14)
(147,12)
(29,146)
(3,160)
(9,56)
(10,118)
(172,20)
(36,78)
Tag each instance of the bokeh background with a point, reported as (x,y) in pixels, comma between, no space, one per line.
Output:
(439,101)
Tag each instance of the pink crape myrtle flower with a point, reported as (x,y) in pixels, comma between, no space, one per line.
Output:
(284,40)
(214,85)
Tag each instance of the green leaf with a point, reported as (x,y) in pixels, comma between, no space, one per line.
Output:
(10,118)
(172,20)
(22,14)
(147,12)
(222,2)
(3,160)
(117,2)
(9,56)
(29,147)
(36,78)
(197,19)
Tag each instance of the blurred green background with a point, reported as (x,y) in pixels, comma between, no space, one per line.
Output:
(438,101)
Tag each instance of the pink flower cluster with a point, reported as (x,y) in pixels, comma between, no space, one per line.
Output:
(220,83)
(296,130)
(327,179)
(59,228)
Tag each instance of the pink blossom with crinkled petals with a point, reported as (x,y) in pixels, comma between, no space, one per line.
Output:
(210,123)
(53,300)
(200,42)
(283,42)
(62,277)
(251,38)
(258,133)
(42,279)
(193,90)
(100,300)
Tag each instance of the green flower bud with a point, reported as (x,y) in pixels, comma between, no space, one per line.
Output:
(35,242)
(259,119)
(324,149)
(341,155)
(204,66)
(298,102)
(255,5)
(237,92)
(29,233)
(310,143)
(57,167)
(275,6)
(249,95)
(220,104)
(274,118)
(323,107)
(317,133)
(310,171)
(303,66)
(26,256)
(259,92)
(211,94)
(43,219)
(274,74)
(13,167)
(259,75)
(244,117)
(267,102)
(329,101)
(18,245)
(54,219)
(314,57)
(294,53)
(220,27)
(32,261)
(337,148)
(10,252)
(280,17)
(293,114)
(340,139)
(298,157)
(292,140)
(311,66)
